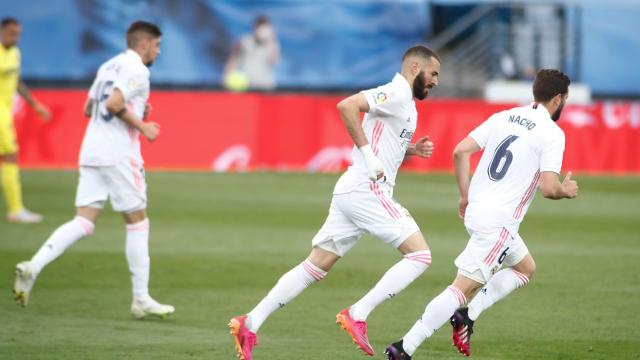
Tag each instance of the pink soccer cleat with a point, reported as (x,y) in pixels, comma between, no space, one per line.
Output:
(462,330)
(356,329)
(245,339)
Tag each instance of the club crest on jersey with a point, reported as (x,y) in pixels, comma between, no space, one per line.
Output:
(381,97)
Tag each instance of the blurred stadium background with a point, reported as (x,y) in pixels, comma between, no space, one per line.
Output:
(220,241)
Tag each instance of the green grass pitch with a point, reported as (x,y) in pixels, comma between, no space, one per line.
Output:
(219,242)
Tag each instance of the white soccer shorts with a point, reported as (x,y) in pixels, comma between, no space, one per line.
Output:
(123,184)
(487,252)
(367,209)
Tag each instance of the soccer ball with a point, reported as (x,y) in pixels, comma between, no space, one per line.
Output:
(236,81)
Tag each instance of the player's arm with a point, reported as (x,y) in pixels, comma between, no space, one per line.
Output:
(422,148)
(42,110)
(462,167)
(116,105)
(88,107)
(552,188)
(350,109)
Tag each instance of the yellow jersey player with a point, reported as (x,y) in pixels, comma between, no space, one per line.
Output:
(10,83)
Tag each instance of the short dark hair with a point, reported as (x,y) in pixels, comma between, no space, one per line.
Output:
(139,29)
(549,83)
(420,51)
(9,21)
(261,20)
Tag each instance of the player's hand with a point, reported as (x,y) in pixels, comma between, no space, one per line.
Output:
(147,111)
(462,207)
(150,130)
(424,147)
(375,170)
(42,111)
(569,186)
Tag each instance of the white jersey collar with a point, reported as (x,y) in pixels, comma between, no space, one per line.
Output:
(539,107)
(132,53)
(403,83)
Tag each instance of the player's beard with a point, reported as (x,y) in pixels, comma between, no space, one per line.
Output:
(419,84)
(556,114)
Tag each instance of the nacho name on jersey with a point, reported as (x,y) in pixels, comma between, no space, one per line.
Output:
(528,124)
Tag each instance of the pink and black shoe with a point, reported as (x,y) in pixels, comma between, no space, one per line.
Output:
(462,330)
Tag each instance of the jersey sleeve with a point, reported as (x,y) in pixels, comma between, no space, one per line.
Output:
(131,83)
(482,132)
(382,99)
(551,159)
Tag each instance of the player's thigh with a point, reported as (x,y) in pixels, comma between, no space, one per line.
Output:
(484,254)
(127,187)
(377,213)
(338,234)
(92,190)
(8,139)
(518,256)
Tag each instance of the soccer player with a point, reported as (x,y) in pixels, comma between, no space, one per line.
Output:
(111,167)
(523,149)
(10,83)
(363,203)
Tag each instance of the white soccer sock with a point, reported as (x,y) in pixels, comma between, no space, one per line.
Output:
(436,314)
(137,250)
(59,241)
(500,285)
(288,287)
(398,277)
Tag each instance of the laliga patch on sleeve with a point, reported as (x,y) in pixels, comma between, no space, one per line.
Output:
(381,97)
(132,84)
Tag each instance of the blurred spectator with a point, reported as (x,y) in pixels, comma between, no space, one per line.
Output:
(253,59)
(537,38)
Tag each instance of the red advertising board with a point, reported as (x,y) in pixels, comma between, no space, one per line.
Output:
(226,131)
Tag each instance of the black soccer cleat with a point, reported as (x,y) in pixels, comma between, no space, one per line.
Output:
(395,351)
(462,330)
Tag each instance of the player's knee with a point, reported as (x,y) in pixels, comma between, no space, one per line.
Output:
(420,260)
(87,225)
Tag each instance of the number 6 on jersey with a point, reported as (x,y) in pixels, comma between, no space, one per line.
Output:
(501,159)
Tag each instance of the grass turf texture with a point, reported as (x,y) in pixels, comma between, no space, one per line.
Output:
(219,242)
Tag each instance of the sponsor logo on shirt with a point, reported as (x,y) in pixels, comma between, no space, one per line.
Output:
(406,134)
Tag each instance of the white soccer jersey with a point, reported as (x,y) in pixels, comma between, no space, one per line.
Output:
(518,144)
(108,140)
(389,126)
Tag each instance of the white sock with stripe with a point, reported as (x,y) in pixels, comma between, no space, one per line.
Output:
(500,285)
(436,314)
(396,279)
(59,241)
(288,287)
(137,251)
